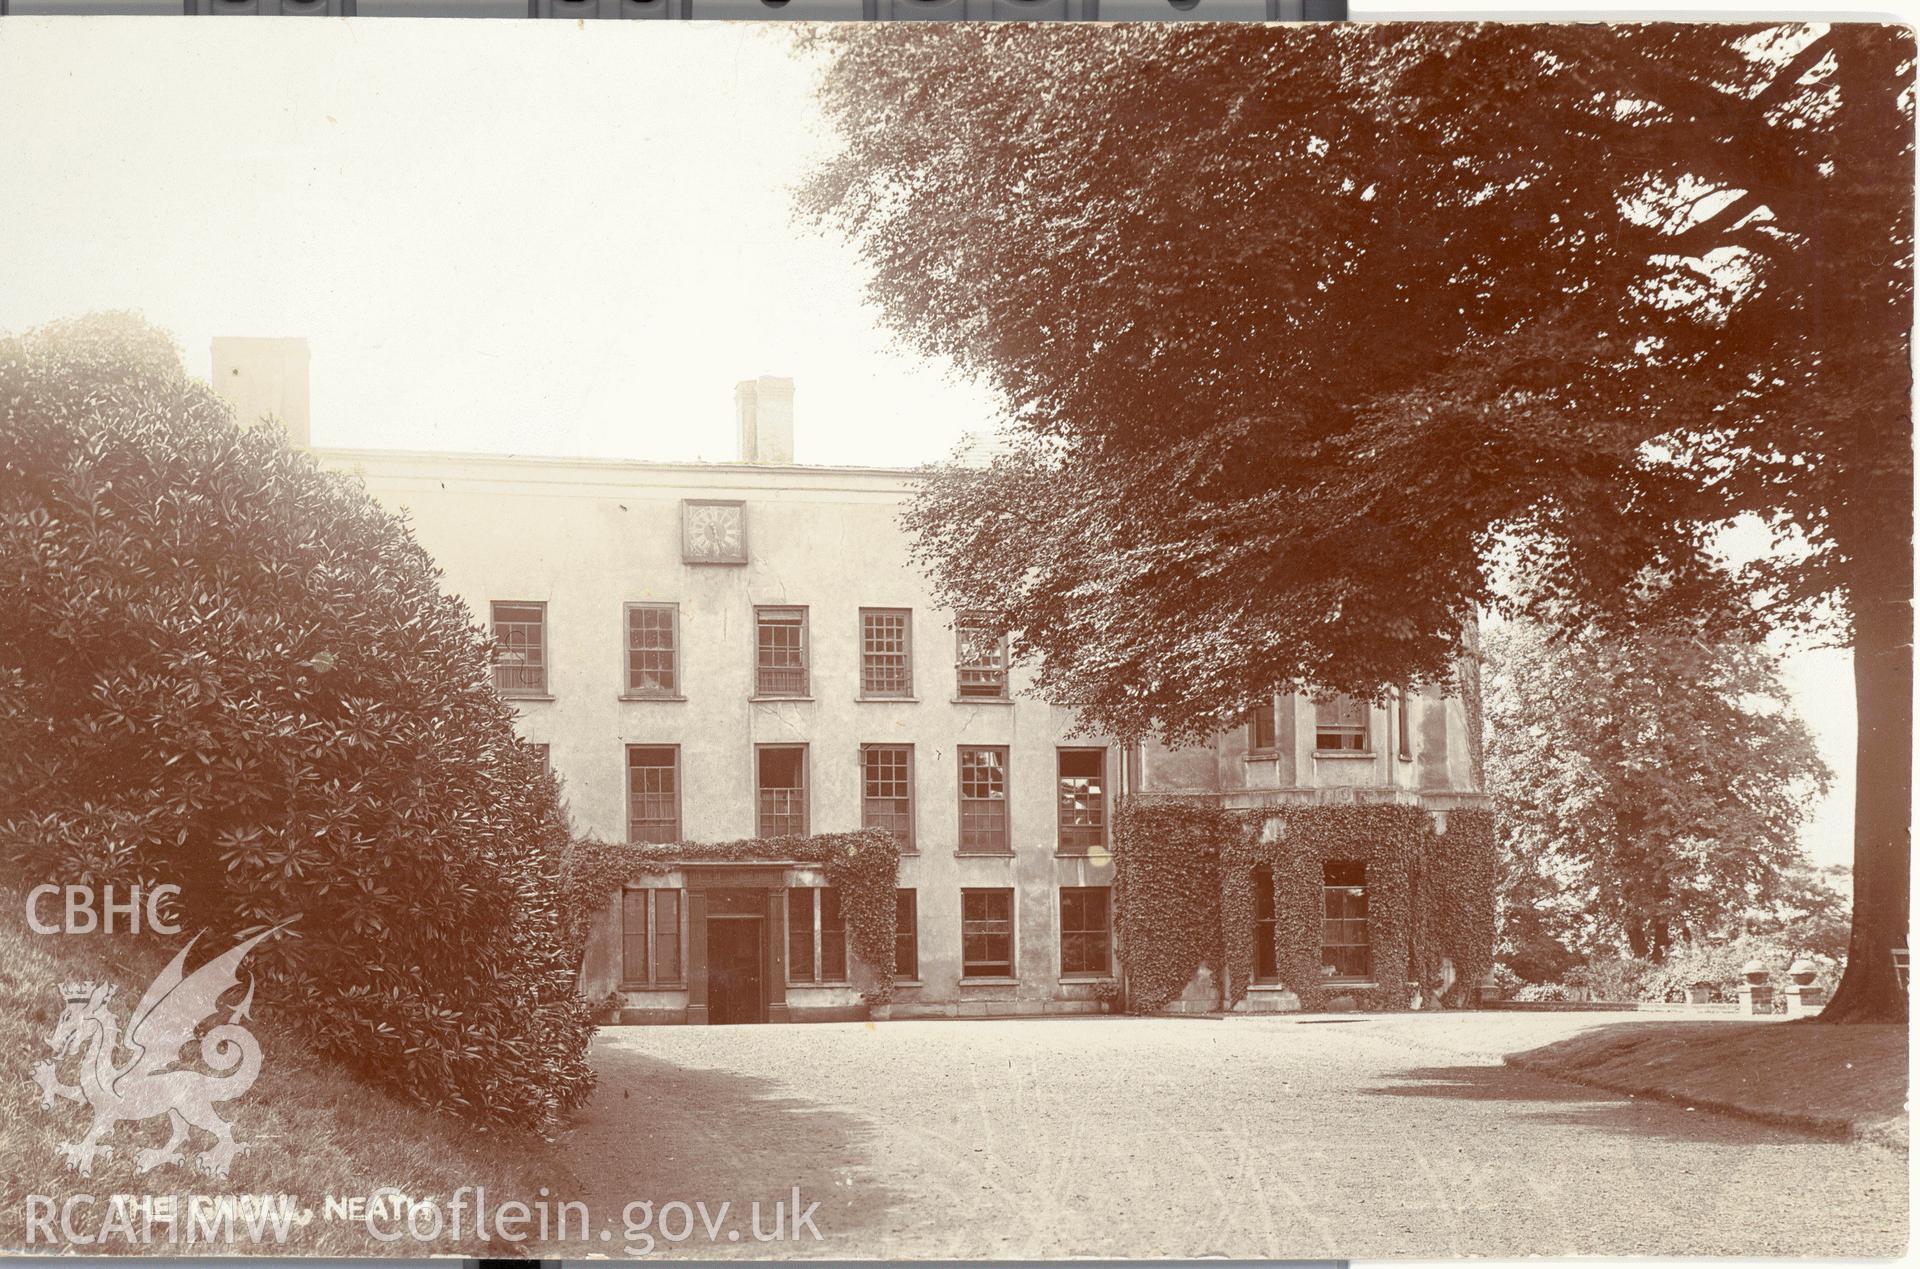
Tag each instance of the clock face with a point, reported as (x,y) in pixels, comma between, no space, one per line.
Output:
(715,533)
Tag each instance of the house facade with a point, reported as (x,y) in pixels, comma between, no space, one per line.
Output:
(709,652)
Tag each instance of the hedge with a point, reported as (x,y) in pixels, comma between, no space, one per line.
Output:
(226,668)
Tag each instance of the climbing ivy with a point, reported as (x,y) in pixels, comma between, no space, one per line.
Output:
(864,866)
(1184,894)
(1166,894)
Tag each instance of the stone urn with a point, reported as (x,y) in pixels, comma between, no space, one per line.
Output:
(1803,972)
(1756,994)
(1700,993)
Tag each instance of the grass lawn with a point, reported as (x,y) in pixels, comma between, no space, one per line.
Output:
(311,1130)
(1840,1081)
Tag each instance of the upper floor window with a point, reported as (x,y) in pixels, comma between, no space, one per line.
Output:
(886,776)
(1261,730)
(783,790)
(653,649)
(520,665)
(1340,722)
(653,793)
(980,659)
(650,937)
(1402,707)
(1344,952)
(983,799)
(1083,799)
(886,652)
(780,651)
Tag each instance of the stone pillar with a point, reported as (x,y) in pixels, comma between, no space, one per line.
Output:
(1756,994)
(696,957)
(776,968)
(1804,1000)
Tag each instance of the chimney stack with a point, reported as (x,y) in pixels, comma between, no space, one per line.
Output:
(264,377)
(765,410)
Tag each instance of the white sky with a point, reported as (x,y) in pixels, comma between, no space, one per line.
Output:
(511,237)
(515,237)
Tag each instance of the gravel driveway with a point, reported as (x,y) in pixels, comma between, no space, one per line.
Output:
(1331,1136)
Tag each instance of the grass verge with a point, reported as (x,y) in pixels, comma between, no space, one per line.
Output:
(311,1132)
(1837,1081)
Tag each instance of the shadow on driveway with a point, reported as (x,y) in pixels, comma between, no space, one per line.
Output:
(654,1131)
(1546,1100)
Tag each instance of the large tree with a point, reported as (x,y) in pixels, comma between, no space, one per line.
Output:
(1652,789)
(1306,333)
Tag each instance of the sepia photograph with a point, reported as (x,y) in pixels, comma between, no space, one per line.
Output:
(987,639)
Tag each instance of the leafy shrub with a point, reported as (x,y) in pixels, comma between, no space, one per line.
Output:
(223,667)
(1716,964)
(1612,977)
(1719,966)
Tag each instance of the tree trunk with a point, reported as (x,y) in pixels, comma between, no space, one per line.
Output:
(1637,941)
(1883,692)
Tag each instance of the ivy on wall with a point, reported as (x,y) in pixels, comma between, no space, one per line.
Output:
(1184,896)
(1166,894)
(864,866)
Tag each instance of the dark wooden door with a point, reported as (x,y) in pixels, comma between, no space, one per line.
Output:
(736,950)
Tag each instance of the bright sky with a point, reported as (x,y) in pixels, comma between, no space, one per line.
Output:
(510,237)
(517,237)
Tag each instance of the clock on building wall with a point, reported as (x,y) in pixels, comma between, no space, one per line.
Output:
(713,532)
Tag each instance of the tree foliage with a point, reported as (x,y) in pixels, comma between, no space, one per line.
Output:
(227,669)
(1651,789)
(1305,335)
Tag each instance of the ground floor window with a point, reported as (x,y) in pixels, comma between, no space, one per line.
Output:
(1344,952)
(816,936)
(986,933)
(1266,955)
(1086,935)
(906,944)
(650,937)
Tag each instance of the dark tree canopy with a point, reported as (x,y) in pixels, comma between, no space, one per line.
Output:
(1308,334)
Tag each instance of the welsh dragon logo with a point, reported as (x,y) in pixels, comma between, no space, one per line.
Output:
(150,1080)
